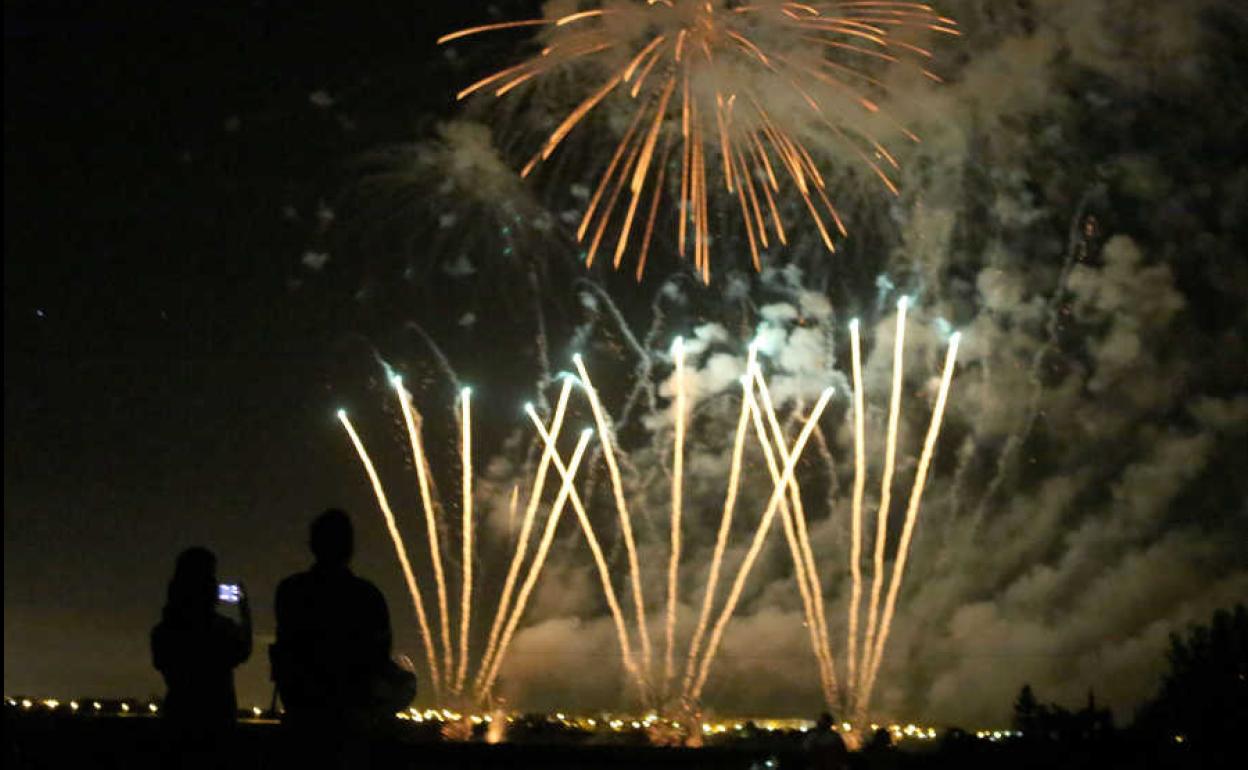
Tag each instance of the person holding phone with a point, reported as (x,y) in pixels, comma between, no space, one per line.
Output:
(196,649)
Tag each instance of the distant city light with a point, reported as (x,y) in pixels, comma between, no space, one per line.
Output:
(602,721)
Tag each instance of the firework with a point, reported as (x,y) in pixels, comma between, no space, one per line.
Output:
(864,653)
(752,90)
(535,567)
(399,548)
(431,526)
(791,512)
(621,505)
(912,513)
(860,483)
(526,527)
(886,480)
(760,536)
(450,678)
(678,464)
(721,538)
(604,572)
(465,607)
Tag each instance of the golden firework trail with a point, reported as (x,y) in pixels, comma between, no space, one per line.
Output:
(678,471)
(431,526)
(449,680)
(860,483)
(864,651)
(535,567)
(760,536)
(744,87)
(886,481)
(511,509)
(912,514)
(465,607)
(862,664)
(526,528)
(399,548)
(605,436)
(721,538)
(793,519)
(604,572)
(809,618)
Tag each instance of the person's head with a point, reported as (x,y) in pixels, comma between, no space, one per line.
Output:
(826,720)
(194,583)
(331,538)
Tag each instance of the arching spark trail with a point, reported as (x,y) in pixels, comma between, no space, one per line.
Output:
(605,436)
(886,483)
(678,470)
(431,525)
(756,545)
(535,568)
(526,528)
(810,614)
(721,539)
(604,572)
(805,557)
(399,549)
(912,514)
(865,651)
(465,609)
(860,481)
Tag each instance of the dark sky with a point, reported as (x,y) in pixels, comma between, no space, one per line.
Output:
(163,385)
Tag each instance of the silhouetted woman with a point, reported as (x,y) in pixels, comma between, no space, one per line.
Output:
(196,649)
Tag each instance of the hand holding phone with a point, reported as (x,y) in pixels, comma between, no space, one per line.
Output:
(229,593)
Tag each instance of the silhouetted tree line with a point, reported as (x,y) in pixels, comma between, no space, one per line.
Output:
(1051,722)
(1196,719)
(1202,705)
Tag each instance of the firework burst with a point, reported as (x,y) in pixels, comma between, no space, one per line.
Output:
(750,92)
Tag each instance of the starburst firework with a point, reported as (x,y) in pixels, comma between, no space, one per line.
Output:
(753,88)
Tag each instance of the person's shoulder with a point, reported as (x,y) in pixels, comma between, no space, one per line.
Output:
(294,582)
(365,587)
(160,631)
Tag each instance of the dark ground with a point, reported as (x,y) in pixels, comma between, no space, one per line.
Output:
(55,741)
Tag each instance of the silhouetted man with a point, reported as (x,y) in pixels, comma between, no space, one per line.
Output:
(825,748)
(333,638)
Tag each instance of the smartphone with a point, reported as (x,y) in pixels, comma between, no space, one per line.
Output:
(229,593)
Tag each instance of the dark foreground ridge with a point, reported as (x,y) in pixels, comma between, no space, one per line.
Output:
(53,740)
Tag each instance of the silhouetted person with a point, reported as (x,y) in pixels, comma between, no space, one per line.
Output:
(196,650)
(825,748)
(331,661)
(880,741)
(879,748)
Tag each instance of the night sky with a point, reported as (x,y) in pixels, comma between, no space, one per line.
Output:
(164,386)
(175,350)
